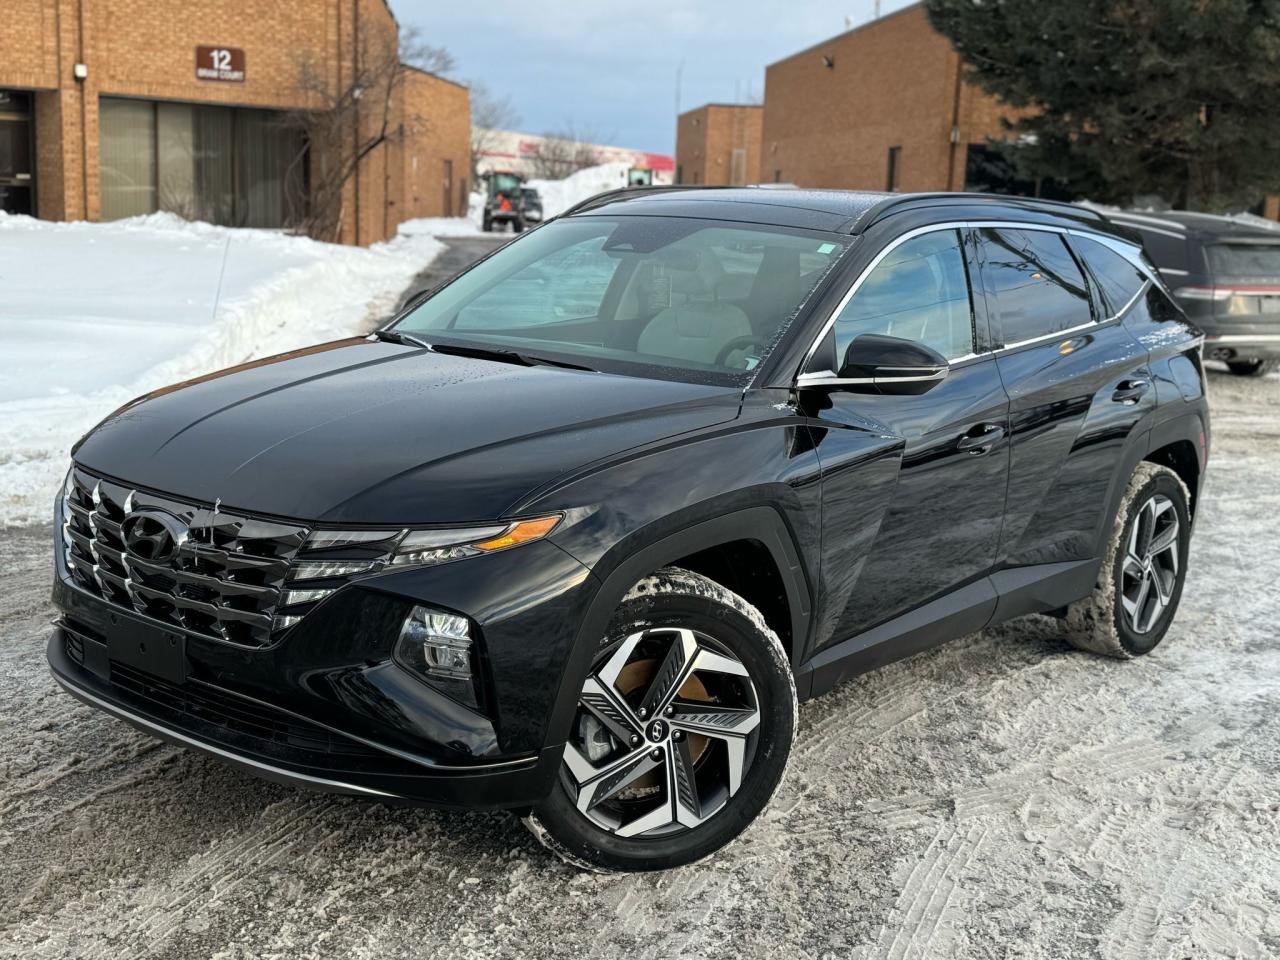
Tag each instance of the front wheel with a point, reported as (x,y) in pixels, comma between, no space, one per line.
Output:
(1251,368)
(1140,582)
(682,731)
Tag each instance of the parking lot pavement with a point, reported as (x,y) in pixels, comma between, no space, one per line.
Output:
(1001,796)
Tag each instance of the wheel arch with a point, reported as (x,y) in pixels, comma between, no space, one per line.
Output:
(1180,456)
(710,546)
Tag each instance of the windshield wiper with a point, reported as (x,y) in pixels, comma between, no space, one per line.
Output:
(395,336)
(503,355)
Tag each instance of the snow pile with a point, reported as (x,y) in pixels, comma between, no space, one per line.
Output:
(94,314)
(559,195)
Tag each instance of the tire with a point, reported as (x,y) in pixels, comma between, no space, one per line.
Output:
(1118,619)
(624,799)
(517,225)
(1251,368)
(487,224)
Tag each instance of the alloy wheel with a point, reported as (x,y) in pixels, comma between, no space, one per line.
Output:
(664,734)
(1149,573)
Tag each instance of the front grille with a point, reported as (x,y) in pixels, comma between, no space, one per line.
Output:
(216,573)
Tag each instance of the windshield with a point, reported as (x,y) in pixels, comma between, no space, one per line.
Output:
(506,183)
(1245,260)
(684,298)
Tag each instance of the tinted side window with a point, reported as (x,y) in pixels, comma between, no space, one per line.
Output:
(920,292)
(1167,250)
(1119,279)
(1038,287)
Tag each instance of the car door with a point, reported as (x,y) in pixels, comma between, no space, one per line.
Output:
(934,526)
(1078,384)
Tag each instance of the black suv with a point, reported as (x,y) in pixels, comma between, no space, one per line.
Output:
(1226,274)
(575,532)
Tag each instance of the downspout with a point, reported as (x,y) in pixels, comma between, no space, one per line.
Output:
(355,107)
(84,113)
(953,135)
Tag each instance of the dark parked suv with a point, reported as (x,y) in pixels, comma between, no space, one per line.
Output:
(575,533)
(1226,275)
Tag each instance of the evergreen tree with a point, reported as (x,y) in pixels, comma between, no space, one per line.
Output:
(1121,98)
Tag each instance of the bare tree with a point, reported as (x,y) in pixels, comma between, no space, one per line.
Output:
(563,152)
(342,125)
(490,114)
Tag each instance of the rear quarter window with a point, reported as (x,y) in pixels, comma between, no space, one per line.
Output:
(1118,279)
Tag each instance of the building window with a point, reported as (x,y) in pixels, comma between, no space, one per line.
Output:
(738,167)
(17,153)
(224,165)
(895,155)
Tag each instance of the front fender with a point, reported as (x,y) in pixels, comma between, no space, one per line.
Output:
(629,518)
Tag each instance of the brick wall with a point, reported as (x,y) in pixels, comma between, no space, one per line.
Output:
(707,137)
(833,111)
(437,118)
(146,49)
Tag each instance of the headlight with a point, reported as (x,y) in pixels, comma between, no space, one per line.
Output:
(329,557)
(404,548)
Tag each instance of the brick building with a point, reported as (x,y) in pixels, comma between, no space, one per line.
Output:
(110,108)
(719,143)
(881,107)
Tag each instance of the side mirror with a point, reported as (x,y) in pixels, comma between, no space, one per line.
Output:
(880,364)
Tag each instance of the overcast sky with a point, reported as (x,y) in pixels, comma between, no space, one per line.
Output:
(609,68)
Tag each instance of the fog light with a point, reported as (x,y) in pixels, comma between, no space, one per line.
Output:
(437,643)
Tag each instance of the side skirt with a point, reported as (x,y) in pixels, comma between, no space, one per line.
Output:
(993,599)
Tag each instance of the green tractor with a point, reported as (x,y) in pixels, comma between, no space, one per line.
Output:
(504,200)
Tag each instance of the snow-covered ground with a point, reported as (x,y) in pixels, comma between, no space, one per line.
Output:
(1003,796)
(94,314)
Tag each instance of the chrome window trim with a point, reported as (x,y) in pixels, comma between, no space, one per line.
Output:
(829,378)
(830,322)
(1131,253)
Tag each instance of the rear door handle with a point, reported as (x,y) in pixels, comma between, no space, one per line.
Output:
(981,438)
(1130,391)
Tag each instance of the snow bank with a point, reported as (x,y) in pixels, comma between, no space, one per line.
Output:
(559,195)
(92,315)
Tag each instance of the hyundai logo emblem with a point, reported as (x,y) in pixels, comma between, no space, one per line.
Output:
(152,535)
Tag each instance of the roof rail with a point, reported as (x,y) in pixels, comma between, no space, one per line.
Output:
(621,193)
(886,206)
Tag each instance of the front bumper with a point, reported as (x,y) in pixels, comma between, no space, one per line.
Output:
(269,743)
(326,706)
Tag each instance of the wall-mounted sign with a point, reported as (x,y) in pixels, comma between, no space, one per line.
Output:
(225,64)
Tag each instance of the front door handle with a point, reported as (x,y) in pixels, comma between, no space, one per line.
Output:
(1130,391)
(981,439)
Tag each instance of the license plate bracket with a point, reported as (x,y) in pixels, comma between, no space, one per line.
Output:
(147,647)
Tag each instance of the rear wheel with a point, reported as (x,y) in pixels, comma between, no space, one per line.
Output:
(1251,368)
(682,732)
(1142,574)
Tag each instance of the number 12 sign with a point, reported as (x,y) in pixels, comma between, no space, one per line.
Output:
(225,64)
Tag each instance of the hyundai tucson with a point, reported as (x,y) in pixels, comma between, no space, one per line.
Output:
(573,534)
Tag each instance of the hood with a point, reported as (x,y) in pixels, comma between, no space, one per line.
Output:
(362,431)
